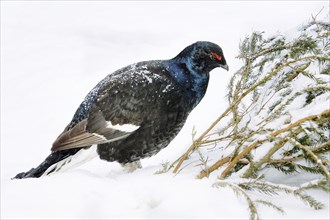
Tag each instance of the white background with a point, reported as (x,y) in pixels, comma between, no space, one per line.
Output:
(53,53)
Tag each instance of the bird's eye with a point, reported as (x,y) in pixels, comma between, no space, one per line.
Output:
(215,56)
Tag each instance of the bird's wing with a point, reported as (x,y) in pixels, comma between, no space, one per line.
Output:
(93,130)
(123,104)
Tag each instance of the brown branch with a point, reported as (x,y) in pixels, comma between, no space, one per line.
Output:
(238,157)
(269,154)
(325,113)
(297,72)
(271,136)
(212,168)
(265,158)
(215,140)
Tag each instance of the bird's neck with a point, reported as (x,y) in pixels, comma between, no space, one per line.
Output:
(187,75)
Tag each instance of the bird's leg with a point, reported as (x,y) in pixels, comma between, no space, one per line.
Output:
(131,167)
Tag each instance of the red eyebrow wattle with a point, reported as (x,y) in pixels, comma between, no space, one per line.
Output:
(216,56)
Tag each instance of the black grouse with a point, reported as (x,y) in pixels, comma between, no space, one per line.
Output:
(136,111)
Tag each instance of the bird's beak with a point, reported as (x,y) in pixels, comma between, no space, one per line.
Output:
(226,67)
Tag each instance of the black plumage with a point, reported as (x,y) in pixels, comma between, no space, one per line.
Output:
(136,111)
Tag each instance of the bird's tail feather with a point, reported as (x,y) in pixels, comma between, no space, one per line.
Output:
(60,161)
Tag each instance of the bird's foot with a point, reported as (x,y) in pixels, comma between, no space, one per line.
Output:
(131,167)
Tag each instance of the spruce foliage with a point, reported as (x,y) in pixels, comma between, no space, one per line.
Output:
(278,117)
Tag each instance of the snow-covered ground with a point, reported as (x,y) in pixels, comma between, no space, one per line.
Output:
(53,53)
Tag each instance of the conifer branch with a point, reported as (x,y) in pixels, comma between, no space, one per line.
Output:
(264,160)
(269,188)
(269,204)
(279,80)
(315,150)
(240,192)
(316,159)
(268,155)
(236,102)
(252,146)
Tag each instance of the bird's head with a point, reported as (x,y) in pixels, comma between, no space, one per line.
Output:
(203,56)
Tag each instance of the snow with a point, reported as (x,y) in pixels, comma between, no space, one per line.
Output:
(53,53)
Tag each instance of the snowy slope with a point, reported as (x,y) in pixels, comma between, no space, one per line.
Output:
(53,53)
